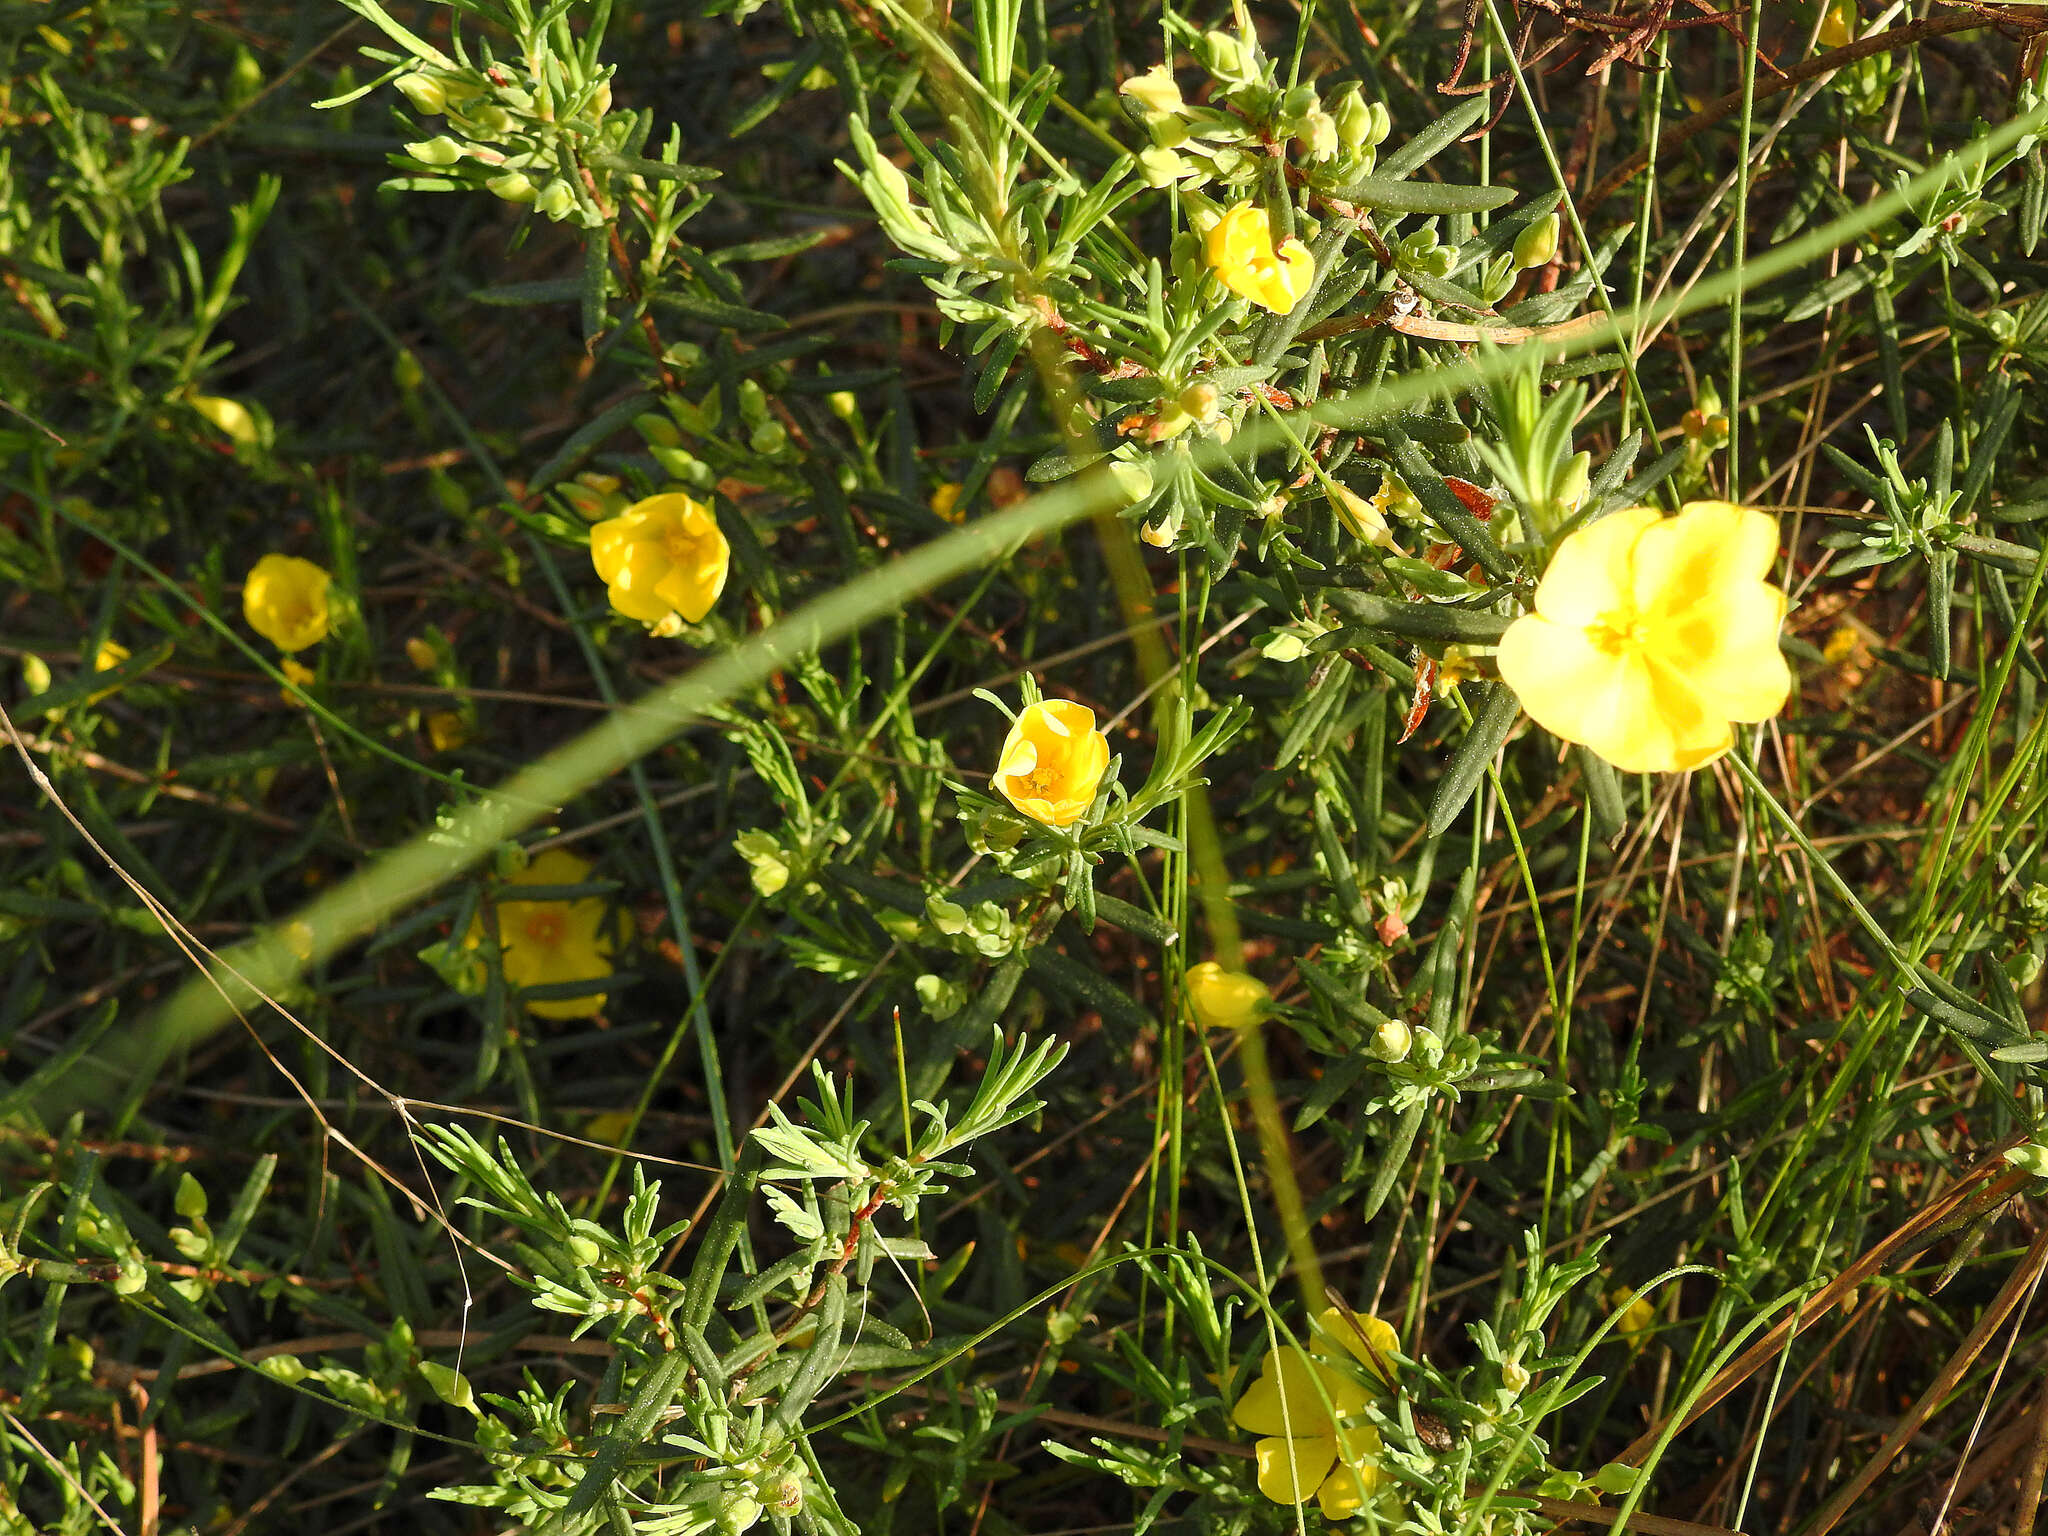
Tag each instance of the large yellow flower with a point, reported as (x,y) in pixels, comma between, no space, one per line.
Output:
(1239,248)
(1651,634)
(546,942)
(1299,1405)
(661,556)
(1053,761)
(284,599)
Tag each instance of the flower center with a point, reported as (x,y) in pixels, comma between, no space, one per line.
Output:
(679,544)
(544,928)
(1618,630)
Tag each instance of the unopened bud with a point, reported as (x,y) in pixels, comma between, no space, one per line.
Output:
(513,187)
(1391,1041)
(424,92)
(1573,481)
(1536,246)
(556,200)
(1223,999)
(1161,167)
(1353,117)
(1155,91)
(1318,136)
(1133,481)
(1229,59)
(438,151)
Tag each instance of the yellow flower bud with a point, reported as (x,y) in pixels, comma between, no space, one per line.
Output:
(1536,245)
(1155,91)
(1223,999)
(1053,761)
(662,556)
(424,92)
(109,656)
(284,599)
(513,187)
(231,416)
(446,730)
(438,151)
(1362,517)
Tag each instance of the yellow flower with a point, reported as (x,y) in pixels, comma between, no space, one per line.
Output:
(1298,1405)
(946,502)
(1651,634)
(1239,248)
(661,556)
(285,601)
(1637,1315)
(1225,999)
(446,730)
(1838,25)
(109,656)
(546,942)
(1052,762)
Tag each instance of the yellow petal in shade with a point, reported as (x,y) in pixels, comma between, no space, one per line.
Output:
(1223,999)
(285,600)
(1651,635)
(1353,1331)
(1355,1477)
(1296,1395)
(1052,762)
(550,942)
(1291,1470)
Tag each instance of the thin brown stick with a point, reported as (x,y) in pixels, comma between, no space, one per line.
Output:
(2027,1508)
(2004,1181)
(2018,1289)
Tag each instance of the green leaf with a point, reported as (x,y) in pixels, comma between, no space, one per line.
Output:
(1384,196)
(1496,717)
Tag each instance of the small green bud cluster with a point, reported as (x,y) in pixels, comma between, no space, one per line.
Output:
(986,929)
(1423,252)
(510,138)
(1225,141)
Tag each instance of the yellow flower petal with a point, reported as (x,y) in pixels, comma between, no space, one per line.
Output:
(1588,577)
(1350,1483)
(1606,701)
(1707,548)
(1727,648)
(1352,1331)
(1289,1470)
(1295,1395)
(1651,635)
